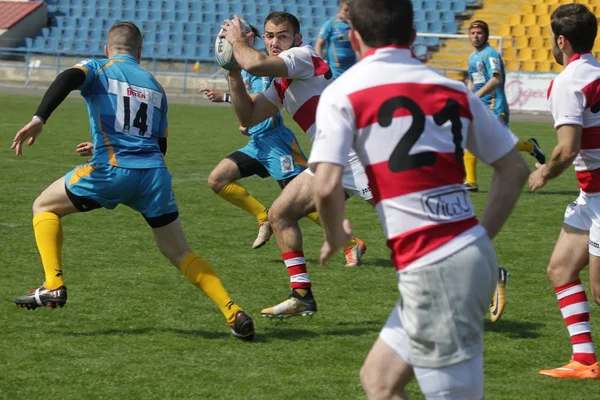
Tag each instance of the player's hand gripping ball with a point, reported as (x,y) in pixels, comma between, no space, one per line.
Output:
(224,49)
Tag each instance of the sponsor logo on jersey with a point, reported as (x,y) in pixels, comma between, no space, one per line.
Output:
(135,93)
(287,163)
(447,205)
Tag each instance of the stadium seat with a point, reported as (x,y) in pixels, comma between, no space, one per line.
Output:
(524,55)
(509,55)
(526,9)
(556,67)
(543,20)
(521,42)
(529,66)
(533,31)
(529,20)
(536,42)
(543,66)
(504,30)
(511,65)
(514,19)
(459,6)
(518,30)
(541,55)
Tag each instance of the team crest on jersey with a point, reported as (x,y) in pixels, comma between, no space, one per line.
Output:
(172,199)
(480,66)
(287,163)
(494,63)
(447,204)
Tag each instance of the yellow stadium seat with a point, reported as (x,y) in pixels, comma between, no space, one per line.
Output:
(545,32)
(529,66)
(514,19)
(533,31)
(511,66)
(522,42)
(543,66)
(518,30)
(504,30)
(543,20)
(536,1)
(529,20)
(586,2)
(540,55)
(524,55)
(556,67)
(541,9)
(595,3)
(551,2)
(509,55)
(536,42)
(526,9)
(507,44)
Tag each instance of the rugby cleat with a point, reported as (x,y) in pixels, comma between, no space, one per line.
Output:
(355,253)
(537,152)
(243,326)
(295,306)
(471,188)
(499,299)
(42,297)
(264,234)
(574,369)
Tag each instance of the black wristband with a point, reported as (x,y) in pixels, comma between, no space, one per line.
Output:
(227,98)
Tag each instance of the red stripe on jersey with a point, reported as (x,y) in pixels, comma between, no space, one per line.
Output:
(410,246)
(307,113)
(386,184)
(589,181)
(431,99)
(592,93)
(550,89)
(282,85)
(321,67)
(574,298)
(590,138)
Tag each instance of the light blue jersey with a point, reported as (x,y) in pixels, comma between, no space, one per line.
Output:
(482,66)
(340,55)
(258,84)
(128,112)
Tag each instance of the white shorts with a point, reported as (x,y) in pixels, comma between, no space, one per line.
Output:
(354,179)
(438,320)
(584,214)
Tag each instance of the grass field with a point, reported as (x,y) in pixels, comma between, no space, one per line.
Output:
(135,328)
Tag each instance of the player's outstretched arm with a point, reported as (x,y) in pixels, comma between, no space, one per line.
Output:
(250,59)
(330,199)
(510,173)
(64,83)
(567,148)
(250,110)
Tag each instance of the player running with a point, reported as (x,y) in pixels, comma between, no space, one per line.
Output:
(128,116)
(302,76)
(409,125)
(574,102)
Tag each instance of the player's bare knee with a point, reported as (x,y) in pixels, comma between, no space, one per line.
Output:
(373,385)
(216,182)
(39,206)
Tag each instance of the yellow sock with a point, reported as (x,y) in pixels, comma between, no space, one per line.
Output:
(351,243)
(525,146)
(237,195)
(314,217)
(204,277)
(49,239)
(471,168)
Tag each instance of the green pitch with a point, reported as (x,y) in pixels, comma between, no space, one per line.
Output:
(135,328)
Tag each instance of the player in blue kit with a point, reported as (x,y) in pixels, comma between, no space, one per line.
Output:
(486,79)
(334,38)
(128,122)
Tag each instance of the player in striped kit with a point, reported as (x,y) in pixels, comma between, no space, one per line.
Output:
(409,126)
(575,104)
(302,76)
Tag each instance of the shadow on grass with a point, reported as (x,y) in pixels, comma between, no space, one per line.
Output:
(378,262)
(288,330)
(144,331)
(573,193)
(515,329)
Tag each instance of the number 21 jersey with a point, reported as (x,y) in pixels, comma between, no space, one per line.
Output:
(128,112)
(409,126)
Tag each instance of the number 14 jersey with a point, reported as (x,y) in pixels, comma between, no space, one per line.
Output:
(128,112)
(409,126)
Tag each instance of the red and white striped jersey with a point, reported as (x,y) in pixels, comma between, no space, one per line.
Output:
(575,100)
(299,92)
(409,125)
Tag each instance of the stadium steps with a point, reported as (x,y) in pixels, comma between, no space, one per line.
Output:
(453,53)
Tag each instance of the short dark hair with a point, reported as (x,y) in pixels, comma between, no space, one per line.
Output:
(124,36)
(281,17)
(383,22)
(577,24)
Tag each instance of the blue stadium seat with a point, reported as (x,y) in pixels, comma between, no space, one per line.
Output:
(459,6)
(419,15)
(420,50)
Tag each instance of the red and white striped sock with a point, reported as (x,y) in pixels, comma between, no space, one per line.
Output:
(296,266)
(575,310)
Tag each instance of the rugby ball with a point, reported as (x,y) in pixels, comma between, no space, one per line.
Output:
(224,49)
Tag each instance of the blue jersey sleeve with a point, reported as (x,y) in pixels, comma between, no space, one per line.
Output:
(90,67)
(325,32)
(259,84)
(492,62)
